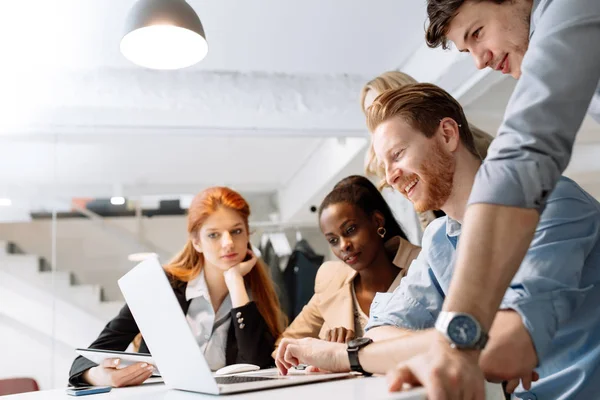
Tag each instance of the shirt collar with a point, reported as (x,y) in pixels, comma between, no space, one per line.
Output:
(397,247)
(453,227)
(197,288)
(534,16)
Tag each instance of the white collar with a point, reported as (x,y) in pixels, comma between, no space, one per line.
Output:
(197,288)
(453,227)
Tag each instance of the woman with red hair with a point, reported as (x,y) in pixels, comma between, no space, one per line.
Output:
(223,289)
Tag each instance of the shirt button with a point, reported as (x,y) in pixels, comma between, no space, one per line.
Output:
(240,320)
(242,325)
(206,337)
(239,314)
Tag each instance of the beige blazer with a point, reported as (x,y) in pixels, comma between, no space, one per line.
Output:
(332,306)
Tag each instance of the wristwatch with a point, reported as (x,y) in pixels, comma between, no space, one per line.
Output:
(462,330)
(353,348)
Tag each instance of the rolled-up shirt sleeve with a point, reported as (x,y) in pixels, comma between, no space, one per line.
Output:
(560,72)
(548,290)
(415,304)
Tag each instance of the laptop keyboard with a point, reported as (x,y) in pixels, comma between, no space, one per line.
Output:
(226,380)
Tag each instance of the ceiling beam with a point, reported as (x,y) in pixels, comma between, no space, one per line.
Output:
(143,101)
(71,133)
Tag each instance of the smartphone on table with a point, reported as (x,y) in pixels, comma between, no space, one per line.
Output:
(85,390)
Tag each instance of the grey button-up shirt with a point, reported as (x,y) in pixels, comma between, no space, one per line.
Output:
(559,84)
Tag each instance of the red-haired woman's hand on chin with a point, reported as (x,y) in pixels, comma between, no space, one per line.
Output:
(234,279)
(244,267)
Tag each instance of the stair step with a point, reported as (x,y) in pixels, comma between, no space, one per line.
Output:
(58,280)
(85,294)
(36,271)
(23,265)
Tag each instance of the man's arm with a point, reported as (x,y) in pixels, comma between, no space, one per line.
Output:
(547,292)
(386,332)
(510,354)
(560,73)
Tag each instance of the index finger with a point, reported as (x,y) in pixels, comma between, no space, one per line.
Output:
(282,365)
(417,370)
(281,349)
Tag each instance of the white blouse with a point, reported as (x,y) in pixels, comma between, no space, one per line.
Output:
(210,329)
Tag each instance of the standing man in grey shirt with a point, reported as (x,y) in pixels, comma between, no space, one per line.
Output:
(553,48)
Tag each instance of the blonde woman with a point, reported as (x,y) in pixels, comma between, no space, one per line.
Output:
(395,80)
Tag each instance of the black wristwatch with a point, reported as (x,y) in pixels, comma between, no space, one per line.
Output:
(353,348)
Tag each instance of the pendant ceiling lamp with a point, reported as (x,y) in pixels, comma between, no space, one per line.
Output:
(163,34)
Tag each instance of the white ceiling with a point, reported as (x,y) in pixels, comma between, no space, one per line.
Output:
(272,109)
(280,79)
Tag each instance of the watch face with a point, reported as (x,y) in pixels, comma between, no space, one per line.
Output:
(463,330)
(358,342)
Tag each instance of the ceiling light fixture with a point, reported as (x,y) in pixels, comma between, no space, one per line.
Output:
(5,202)
(163,34)
(117,200)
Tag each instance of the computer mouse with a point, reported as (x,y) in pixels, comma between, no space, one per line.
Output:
(236,369)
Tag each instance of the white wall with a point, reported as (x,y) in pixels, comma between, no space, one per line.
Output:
(39,332)
(28,353)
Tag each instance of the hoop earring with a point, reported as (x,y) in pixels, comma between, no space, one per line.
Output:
(381,231)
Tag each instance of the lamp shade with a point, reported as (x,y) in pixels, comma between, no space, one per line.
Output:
(163,34)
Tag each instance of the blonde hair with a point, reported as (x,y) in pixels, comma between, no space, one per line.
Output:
(395,80)
(386,81)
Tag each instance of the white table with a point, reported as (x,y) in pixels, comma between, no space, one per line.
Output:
(346,389)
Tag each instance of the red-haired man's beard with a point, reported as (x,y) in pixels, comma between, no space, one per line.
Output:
(434,182)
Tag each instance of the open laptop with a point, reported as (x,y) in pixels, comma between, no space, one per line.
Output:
(173,346)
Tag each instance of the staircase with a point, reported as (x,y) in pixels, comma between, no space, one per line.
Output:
(27,284)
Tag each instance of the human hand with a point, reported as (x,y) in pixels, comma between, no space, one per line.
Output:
(526,380)
(446,373)
(108,374)
(319,354)
(339,335)
(241,269)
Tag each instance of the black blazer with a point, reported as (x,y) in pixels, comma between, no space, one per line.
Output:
(252,343)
